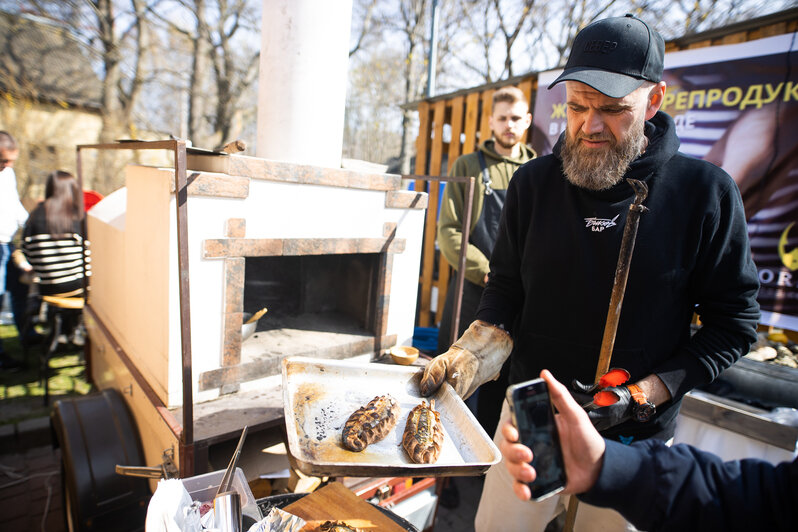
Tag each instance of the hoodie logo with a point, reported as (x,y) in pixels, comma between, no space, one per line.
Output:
(600,224)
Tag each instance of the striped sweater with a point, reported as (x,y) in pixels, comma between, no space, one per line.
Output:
(57,260)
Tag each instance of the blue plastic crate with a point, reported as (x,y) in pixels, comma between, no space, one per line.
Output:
(425,339)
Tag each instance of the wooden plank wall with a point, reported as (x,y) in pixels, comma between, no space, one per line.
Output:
(446,120)
(454,126)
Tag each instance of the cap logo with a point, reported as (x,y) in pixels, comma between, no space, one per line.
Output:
(615,56)
(598,46)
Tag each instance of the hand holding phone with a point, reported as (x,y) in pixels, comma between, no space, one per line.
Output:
(533,416)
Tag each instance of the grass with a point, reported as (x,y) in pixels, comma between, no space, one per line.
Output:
(22,392)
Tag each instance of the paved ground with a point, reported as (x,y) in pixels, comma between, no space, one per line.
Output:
(30,469)
(30,488)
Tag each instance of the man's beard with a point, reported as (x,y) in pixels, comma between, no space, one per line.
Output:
(601,168)
(499,139)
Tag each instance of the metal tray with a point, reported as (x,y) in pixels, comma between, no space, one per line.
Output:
(320,395)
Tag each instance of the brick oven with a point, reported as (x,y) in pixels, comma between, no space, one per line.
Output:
(333,254)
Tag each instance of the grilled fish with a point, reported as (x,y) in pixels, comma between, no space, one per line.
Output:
(337,526)
(423,437)
(370,423)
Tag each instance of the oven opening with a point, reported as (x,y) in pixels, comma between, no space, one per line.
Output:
(318,305)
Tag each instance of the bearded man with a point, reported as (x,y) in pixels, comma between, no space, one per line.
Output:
(552,269)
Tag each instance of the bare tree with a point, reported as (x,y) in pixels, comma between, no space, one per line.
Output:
(123,38)
(510,31)
(563,20)
(224,63)
(363,24)
(372,116)
(479,42)
(448,43)
(44,69)
(684,17)
(234,69)
(482,22)
(117,32)
(411,26)
(200,68)
(481,31)
(199,39)
(556,23)
(119,94)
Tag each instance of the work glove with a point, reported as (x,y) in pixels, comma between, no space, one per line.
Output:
(474,359)
(609,407)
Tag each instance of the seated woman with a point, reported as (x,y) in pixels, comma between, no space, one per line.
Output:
(52,239)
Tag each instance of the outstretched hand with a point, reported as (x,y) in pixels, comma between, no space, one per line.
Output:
(475,358)
(582,446)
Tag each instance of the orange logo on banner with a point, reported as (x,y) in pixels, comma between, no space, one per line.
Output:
(788,258)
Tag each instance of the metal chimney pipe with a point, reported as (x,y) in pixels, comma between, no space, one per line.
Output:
(302,85)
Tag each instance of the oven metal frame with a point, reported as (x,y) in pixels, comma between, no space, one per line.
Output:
(185,434)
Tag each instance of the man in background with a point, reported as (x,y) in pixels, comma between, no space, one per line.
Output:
(12,217)
(493,164)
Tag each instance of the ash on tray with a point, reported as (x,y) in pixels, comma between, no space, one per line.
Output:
(324,421)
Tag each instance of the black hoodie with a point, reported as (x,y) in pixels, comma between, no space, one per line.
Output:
(554,262)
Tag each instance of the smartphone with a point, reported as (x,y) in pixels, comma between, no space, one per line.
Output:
(533,416)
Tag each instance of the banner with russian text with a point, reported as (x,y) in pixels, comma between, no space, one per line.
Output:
(736,106)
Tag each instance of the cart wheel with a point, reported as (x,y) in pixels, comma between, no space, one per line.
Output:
(95,432)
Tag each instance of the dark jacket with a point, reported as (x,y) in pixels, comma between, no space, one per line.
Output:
(681,488)
(553,266)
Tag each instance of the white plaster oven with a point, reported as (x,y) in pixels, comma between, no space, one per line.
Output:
(334,254)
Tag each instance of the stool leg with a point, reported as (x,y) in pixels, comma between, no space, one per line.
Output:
(55,332)
(23,336)
(32,309)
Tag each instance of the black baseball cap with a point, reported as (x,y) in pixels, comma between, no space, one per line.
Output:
(615,56)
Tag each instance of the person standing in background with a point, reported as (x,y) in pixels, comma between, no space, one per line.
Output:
(493,164)
(12,217)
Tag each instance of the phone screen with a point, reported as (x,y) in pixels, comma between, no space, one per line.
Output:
(534,418)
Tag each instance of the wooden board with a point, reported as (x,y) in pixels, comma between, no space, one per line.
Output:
(335,502)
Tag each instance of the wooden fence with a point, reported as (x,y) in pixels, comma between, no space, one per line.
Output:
(453,124)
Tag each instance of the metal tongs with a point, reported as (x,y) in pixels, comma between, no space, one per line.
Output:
(227,479)
(167,469)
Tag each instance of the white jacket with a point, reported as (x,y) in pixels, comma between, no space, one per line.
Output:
(12,213)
